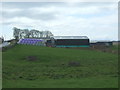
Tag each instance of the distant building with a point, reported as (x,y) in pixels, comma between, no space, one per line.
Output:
(68,41)
(28,41)
(101,43)
(116,42)
(12,41)
(104,43)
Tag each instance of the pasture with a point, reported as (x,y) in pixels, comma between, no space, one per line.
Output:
(26,66)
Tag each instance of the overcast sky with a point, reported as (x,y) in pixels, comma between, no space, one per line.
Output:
(98,21)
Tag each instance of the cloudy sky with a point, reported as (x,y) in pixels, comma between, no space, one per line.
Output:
(97,20)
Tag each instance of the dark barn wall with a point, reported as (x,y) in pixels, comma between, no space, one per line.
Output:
(72,42)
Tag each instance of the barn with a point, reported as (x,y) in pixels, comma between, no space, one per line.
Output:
(68,41)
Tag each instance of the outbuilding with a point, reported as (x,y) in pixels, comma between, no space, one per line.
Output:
(68,41)
(115,42)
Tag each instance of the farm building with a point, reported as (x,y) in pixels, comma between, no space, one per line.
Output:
(29,41)
(116,42)
(68,41)
(12,41)
(102,43)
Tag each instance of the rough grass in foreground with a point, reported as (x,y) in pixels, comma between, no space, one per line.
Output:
(51,68)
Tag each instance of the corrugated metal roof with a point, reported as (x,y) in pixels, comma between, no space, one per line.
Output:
(70,37)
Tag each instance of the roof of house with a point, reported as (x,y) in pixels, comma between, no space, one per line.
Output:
(70,37)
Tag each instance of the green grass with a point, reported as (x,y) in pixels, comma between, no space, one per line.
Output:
(115,47)
(51,69)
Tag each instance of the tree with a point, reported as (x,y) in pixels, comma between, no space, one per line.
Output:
(16,33)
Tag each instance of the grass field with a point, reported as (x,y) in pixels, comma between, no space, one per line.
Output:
(44,67)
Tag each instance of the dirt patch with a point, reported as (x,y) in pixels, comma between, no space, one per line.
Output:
(74,63)
(31,58)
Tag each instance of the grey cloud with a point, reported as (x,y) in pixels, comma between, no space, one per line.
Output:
(31,14)
(26,12)
(45,16)
(26,5)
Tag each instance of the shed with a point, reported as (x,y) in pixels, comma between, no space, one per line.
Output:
(68,41)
